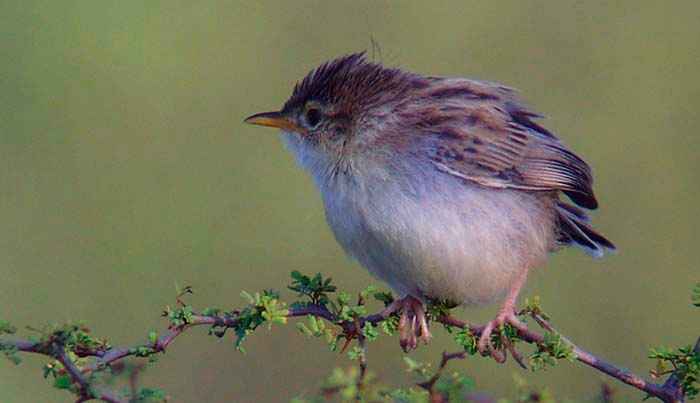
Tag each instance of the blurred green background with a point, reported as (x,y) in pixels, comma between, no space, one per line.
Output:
(126,167)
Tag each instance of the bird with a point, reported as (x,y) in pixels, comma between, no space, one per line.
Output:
(444,188)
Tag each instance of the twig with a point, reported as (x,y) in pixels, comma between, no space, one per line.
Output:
(85,390)
(363,366)
(606,393)
(429,385)
(73,371)
(672,384)
(670,391)
(363,356)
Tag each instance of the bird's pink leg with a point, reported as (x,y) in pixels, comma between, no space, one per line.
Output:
(505,315)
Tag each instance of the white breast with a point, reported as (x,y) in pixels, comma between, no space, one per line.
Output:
(430,235)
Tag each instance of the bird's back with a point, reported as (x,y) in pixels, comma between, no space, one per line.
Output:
(481,133)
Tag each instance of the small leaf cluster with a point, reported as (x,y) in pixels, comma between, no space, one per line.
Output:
(149,395)
(9,350)
(144,351)
(131,371)
(420,370)
(436,309)
(453,387)
(11,353)
(345,310)
(317,291)
(385,297)
(264,307)
(73,337)
(347,385)
(533,307)
(6,327)
(510,335)
(317,328)
(343,383)
(553,348)
(76,341)
(315,288)
(370,332)
(61,379)
(356,353)
(179,316)
(407,395)
(389,325)
(467,340)
(683,362)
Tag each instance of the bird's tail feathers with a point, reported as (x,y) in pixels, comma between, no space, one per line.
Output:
(575,230)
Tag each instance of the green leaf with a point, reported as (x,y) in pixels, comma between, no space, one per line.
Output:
(343,298)
(344,383)
(356,353)
(411,363)
(150,395)
(180,316)
(370,332)
(419,369)
(533,306)
(369,290)
(143,351)
(264,307)
(686,367)
(384,297)
(304,330)
(553,348)
(390,325)
(7,328)
(455,386)
(315,288)
(11,353)
(62,382)
(468,340)
(248,297)
(438,308)
(211,311)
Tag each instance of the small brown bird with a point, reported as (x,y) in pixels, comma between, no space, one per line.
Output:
(445,188)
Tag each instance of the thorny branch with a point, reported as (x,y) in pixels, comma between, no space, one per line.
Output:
(430,383)
(669,391)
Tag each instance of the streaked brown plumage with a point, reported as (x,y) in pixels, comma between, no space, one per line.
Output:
(445,188)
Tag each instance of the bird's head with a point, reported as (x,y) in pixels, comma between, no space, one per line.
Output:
(341,106)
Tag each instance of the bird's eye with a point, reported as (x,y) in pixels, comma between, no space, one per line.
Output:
(313,116)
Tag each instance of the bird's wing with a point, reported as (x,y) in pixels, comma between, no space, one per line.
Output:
(492,140)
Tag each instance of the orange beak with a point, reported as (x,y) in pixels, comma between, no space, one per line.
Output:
(273,119)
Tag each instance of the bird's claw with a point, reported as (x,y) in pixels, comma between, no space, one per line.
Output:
(413,323)
(485,346)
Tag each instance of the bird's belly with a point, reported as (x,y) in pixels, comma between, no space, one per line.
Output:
(466,248)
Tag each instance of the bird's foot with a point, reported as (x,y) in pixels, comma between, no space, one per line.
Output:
(508,316)
(413,322)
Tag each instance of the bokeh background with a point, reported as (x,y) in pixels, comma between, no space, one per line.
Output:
(126,168)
